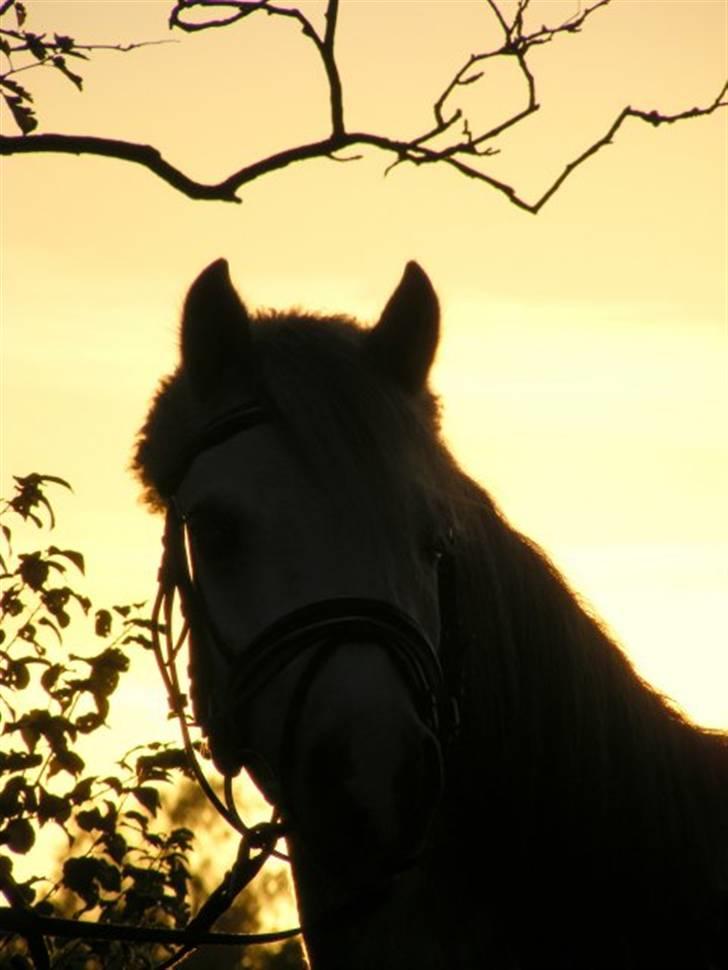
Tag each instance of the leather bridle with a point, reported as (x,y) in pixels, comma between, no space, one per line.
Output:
(315,630)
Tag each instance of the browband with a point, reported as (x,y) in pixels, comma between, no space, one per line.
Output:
(219,429)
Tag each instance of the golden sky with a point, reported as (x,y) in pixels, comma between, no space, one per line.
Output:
(584,363)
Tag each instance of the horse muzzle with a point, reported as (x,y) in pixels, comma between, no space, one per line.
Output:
(361,777)
(335,713)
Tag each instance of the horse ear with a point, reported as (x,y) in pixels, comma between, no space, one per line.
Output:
(215,332)
(404,341)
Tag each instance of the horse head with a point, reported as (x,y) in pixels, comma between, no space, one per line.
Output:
(315,546)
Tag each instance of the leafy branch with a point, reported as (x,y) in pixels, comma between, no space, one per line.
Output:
(23,50)
(125,878)
(119,864)
(454,139)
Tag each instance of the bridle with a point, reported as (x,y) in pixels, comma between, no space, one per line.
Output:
(315,631)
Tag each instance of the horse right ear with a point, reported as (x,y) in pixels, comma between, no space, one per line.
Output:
(404,341)
(215,332)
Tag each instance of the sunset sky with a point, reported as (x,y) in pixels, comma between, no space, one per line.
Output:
(584,362)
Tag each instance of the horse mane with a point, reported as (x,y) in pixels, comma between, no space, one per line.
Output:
(594,795)
(588,791)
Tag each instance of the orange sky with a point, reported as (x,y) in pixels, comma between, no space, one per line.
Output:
(584,362)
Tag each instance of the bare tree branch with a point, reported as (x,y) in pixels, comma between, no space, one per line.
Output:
(244,8)
(240,8)
(515,44)
(654,118)
(468,146)
(332,72)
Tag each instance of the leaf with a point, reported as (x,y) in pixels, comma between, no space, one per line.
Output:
(87,723)
(105,669)
(55,601)
(35,45)
(53,807)
(154,840)
(18,835)
(55,479)
(63,43)
(182,837)
(75,557)
(11,603)
(12,761)
(157,766)
(13,796)
(66,761)
(60,63)
(103,623)
(83,601)
(51,675)
(82,792)
(78,876)
(24,95)
(20,13)
(140,639)
(136,817)
(26,120)
(29,732)
(113,783)
(116,846)
(145,624)
(84,876)
(91,819)
(148,797)
(33,570)
(18,674)
(46,622)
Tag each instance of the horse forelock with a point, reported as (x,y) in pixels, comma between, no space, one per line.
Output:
(330,399)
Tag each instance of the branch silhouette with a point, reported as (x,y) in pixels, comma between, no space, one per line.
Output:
(450,141)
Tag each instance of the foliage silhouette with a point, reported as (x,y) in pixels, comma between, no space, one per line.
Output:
(189,803)
(455,138)
(124,857)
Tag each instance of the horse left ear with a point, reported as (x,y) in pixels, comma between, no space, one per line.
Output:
(404,341)
(215,332)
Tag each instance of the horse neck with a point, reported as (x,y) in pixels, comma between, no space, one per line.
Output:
(568,760)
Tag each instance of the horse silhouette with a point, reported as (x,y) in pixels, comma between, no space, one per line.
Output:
(471,773)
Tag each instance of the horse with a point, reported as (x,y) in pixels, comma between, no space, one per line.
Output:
(470,771)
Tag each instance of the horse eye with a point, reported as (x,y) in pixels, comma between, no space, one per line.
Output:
(212,532)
